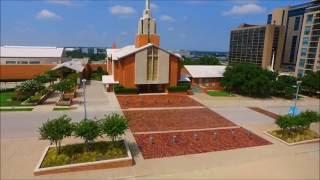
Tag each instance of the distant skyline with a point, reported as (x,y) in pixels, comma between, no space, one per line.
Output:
(182,24)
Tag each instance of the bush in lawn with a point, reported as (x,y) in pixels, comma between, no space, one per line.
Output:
(27,89)
(56,130)
(64,85)
(88,130)
(114,125)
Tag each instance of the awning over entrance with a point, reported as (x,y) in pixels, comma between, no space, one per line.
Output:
(108,79)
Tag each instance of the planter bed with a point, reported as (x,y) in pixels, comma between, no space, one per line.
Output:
(64,108)
(40,101)
(307,136)
(12,109)
(162,144)
(74,158)
(139,101)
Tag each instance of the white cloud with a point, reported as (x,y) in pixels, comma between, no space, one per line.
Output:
(245,9)
(244,1)
(171,29)
(46,14)
(166,18)
(60,2)
(121,10)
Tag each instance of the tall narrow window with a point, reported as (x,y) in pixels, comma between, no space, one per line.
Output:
(152,64)
(296,23)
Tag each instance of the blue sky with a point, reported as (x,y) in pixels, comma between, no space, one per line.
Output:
(182,24)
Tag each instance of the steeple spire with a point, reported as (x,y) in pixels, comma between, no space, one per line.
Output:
(147,4)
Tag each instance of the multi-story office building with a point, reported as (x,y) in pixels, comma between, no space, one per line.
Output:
(257,44)
(309,48)
(292,19)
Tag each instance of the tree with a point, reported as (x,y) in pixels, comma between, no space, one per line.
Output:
(284,86)
(248,79)
(56,130)
(52,76)
(64,85)
(311,83)
(88,130)
(114,126)
(205,60)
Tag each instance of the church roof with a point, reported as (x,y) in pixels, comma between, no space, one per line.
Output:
(117,54)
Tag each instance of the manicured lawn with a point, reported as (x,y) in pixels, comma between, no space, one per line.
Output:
(218,93)
(16,109)
(6,99)
(63,108)
(294,137)
(76,153)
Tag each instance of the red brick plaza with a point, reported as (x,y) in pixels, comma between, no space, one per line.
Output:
(184,127)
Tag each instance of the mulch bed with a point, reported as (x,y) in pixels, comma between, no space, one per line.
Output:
(265,112)
(162,144)
(149,101)
(177,119)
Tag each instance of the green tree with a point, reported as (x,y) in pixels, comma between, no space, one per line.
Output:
(114,126)
(52,76)
(56,130)
(311,83)
(64,85)
(205,60)
(88,130)
(248,79)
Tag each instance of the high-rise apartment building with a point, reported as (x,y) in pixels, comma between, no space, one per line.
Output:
(309,48)
(292,19)
(256,44)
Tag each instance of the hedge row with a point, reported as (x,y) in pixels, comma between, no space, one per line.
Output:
(182,87)
(122,90)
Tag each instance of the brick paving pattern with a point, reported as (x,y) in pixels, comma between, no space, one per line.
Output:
(184,129)
(165,144)
(178,119)
(142,101)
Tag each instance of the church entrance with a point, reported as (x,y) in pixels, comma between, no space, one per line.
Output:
(151,88)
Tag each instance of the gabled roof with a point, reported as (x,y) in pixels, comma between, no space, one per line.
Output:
(117,54)
(205,71)
(30,51)
(74,65)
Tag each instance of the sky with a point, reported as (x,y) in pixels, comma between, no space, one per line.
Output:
(182,24)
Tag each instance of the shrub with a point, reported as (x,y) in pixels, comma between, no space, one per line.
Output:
(30,87)
(56,129)
(64,85)
(122,90)
(88,130)
(114,126)
(290,124)
(42,78)
(178,88)
(311,83)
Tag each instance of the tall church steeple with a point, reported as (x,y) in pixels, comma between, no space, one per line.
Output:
(147,29)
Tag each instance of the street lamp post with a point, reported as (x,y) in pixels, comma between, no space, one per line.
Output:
(296,99)
(84,97)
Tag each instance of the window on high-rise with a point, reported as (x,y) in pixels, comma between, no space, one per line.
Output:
(303,51)
(305,41)
(307,30)
(302,62)
(293,48)
(296,23)
(309,19)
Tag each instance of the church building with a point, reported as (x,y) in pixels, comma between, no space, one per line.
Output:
(144,65)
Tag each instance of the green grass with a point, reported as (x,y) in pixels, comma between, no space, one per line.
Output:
(219,93)
(63,108)
(76,153)
(6,99)
(294,137)
(16,109)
